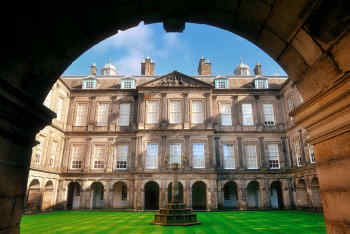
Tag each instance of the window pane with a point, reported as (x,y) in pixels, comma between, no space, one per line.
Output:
(251,157)
(124,114)
(122,156)
(81,115)
(247,112)
(269,116)
(99,155)
(226,117)
(198,156)
(197,112)
(175,112)
(175,154)
(102,114)
(76,156)
(273,156)
(152,112)
(229,157)
(152,156)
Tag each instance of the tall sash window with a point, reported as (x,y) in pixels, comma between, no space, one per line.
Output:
(81,114)
(124,114)
(175,154)
(251,157)
(269,116)
(152,112)
(175,112)
(197,112)
(102,114)
(122,156)
(247,112)
(274,158)
(152,156)
(226,115)
(229,156)
(198,155)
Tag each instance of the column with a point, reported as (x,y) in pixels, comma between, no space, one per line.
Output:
(71,113)
(21,119)
(211,162)
(242,195)
(187,153)
(240,153)
(215,112)
(209,115)
(285,152)
(133,156)
(264,190)
(301,140)
(264,160)
(113,114)
(189,194)
(186,112)
(217,152)
(141,111)
(91,113)
(235,111)
(163,154)
(286,189)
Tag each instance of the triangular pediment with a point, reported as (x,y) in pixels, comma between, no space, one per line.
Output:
(175,79)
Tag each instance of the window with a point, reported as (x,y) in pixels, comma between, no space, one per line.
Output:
(197,112)
(99,155)
(152,156)
(312,154)
(59,108)
(128,84)
(81,114)
(152,112)
(89,83)
(102,114)
(76,156)
(226,116)
(272,150)
(122,156)
(54,150)
(247,112)
(124,192)
(252,161)
(175,112)
(261,84)
(175,154)
(229,156)
(198,156)
(221,83)
(124,117)
(298,157)
(269,117)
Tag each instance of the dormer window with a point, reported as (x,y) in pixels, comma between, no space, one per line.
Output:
(261,84)
(89,83)
(221,83)
(128,84)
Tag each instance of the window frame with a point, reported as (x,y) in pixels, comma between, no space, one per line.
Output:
(248,156)
(272,122)
(97,163)
(244,120)
(228,115)
(148,119)
(155,159)
(89,83)
(225,156)
(126,81)
(105,118)
(202,161)
(175,158)
(261,83)
(78,159)
(202,112)
(122,124)
(219,81)
(119,157)
(76,116)
(180,112)
(274,158)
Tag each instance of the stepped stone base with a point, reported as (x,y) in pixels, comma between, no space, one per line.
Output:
(176,214)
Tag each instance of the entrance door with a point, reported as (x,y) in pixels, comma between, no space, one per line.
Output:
(97,195)
(151,196)
(199,196)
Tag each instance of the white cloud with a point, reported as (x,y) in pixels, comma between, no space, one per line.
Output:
(137,43)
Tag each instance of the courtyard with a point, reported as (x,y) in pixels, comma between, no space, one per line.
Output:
(139,222)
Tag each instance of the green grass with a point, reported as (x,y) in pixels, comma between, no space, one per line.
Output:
(240,222)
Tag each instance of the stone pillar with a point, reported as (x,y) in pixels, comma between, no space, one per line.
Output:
(92,113)
(215,111)
(235,111)
(264,190)
(209,116)
(259,121)
(189,194)
(240,153)
(186,114)
(163,108)
(217,152)
(285,152)
(286,194)
(21,119)
(242,196)
(187,152)
(264,159)
(141,112)
(211,162)
(163,199)
(133,156)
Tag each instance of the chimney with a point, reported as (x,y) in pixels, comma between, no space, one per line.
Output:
(204,67)
(257,69)
(147,67)
(93,69)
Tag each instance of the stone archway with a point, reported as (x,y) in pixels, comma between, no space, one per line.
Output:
(310,39)
(199,196)
(276,196)
(48,196)
(34,197)
(230,195)
(97,195)
(151,196)
(253,195)
(73,195)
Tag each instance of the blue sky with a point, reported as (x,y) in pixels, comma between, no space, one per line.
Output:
(174,51)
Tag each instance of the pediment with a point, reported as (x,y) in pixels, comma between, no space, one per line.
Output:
(176,79)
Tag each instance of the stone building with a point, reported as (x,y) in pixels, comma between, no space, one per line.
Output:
(116,140)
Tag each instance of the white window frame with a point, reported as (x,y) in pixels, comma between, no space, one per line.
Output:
(261,84)
(152,151)
(89,84)
(81,115)
(197,115)
(251,156)
(122,151)
(124,117)
(269,115)
(226,114)
(274,157)
(229,156)
(175,112)
(221,83)
(247,114)
(128,84)
(198,152)
(153,111)
(175,153)
(76,157)
(99,161)
(102,114)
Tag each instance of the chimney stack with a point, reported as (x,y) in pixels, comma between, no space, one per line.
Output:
(257,69)
(147,67)
(204,67)
(93,69)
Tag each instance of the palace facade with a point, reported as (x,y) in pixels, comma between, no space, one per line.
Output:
(118,141)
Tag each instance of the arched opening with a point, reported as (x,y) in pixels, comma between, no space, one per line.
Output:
(97,192)
(179,196)
(316,195)
(48,196)
(120,195)
(199,196)
(253,195)
(73,196)
(34,196)
(301,194)
(151,196)
(276,196)
(230,195)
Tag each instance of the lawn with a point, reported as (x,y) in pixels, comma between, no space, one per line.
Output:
(139,222)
